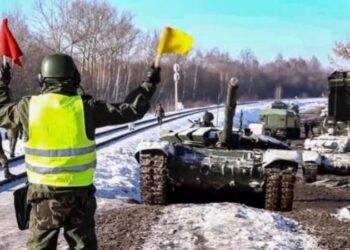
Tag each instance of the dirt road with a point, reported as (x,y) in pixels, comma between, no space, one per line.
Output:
(313,206)
(127,226)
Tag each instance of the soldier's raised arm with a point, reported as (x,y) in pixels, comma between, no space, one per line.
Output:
(134,107)
(12,114)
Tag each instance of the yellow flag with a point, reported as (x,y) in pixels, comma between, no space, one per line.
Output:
(174,41)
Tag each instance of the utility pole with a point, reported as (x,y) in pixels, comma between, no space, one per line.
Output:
(176,82)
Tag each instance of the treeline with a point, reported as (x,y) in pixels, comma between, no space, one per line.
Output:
(113,56)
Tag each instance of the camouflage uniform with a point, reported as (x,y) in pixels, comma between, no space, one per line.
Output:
(75,214)
(4,162)
(12,135)
(71,208)
(3,158)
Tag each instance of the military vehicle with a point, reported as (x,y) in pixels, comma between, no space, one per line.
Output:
(333,145)
(281,120)
(214,160)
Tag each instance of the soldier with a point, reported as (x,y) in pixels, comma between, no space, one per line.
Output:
(12,135)
(3,162)
(306,129)
(159,113)
(59,127)
(207,119)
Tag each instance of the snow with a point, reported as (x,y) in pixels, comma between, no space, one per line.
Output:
(343,214)
(223,226)
(9,230)
(328,143)
(272,155)
(334,151)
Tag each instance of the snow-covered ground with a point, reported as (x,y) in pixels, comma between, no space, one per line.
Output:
(225,226)
(117,176)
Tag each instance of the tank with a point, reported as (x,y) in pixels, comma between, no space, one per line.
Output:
(333,144)
(281,120)
(217,161)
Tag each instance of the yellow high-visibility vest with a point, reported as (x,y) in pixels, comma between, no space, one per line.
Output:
(58,152)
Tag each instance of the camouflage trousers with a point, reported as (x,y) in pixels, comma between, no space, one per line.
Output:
(75,215)
(13,142)
(3,160)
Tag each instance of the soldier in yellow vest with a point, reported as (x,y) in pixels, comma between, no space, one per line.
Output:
(60,155)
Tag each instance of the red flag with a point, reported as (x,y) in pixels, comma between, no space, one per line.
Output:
(8,44)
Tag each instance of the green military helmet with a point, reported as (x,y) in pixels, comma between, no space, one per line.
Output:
(59,66)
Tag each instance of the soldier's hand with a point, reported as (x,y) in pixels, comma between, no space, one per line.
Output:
(5,73)
(153,76)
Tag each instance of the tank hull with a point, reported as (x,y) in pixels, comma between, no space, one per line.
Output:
(217,170)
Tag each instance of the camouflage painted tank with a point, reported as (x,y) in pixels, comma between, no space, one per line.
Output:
(214,160)
(333,145)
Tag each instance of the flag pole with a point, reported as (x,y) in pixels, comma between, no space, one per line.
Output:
(157,61)
(4,60)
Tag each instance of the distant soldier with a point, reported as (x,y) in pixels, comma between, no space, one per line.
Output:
(159,113)
(3,162)
(207,119)
(12,135)
(306,129)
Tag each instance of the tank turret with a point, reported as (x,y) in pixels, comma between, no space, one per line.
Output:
(226,135)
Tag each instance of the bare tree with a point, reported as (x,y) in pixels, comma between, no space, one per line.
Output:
(113,57)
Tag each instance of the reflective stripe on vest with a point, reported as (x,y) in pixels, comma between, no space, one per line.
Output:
(79,168)
(58,152)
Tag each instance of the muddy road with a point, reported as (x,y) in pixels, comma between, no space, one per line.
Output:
(314,206)
(126,226)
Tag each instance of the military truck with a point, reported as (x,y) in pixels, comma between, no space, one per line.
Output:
(281,120)
(214,160)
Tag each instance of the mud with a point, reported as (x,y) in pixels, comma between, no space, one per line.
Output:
(127,226)
(313,206)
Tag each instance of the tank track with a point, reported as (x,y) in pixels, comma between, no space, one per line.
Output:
(279,189)
(153,178)
(310,172)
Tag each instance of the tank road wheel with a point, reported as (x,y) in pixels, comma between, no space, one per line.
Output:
(272,190)
(153,178)
(279,189)
(310,172)
(287,189)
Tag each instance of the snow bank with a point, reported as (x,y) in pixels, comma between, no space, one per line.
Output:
(225,226)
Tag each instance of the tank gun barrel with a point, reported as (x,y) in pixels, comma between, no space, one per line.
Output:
(230,110)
